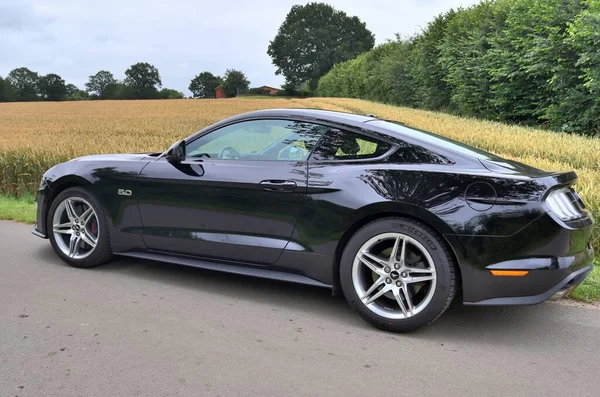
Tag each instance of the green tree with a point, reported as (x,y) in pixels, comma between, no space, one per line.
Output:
(168,93)
(204,85)
(313,38)
(71,89)
(427,72)
(582,106)
(530,64)
(523,61)
(119,91)
(234,83)
(97,83)
(466,42)
(52,87)
(75,94)
(144,79)
(23,83)
(5,91)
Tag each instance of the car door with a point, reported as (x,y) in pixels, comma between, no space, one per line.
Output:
(237,195)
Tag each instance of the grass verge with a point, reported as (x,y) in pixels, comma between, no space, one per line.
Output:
(589,290)
(18,209)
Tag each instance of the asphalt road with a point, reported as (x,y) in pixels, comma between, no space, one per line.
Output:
(139,328)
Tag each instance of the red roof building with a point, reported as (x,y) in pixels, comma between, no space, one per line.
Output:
(272,90)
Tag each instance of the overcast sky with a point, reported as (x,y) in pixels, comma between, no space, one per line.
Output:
(77,38)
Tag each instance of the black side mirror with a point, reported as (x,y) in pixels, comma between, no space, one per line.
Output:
(176,153)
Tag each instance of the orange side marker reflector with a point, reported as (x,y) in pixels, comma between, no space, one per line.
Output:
(509,273)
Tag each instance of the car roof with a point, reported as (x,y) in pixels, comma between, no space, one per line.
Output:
(316,114)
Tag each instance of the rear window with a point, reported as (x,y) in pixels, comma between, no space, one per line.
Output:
(433,139)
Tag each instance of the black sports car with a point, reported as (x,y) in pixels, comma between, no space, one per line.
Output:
(399,220)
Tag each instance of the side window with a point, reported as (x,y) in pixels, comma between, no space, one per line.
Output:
(344,145)
(413,154)
(277,140)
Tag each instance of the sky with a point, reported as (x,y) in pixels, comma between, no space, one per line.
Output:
(77,38)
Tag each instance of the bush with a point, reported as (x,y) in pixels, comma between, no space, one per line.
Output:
(522,61)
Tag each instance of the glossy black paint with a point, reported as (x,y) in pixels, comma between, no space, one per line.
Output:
(295,217)
(209,208)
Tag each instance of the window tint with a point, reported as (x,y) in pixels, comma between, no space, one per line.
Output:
(414,154)
(430,138)
(344,145)
(278,140)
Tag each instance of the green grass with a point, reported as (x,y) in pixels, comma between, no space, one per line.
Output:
(18,209)
(23,210)
(589,290)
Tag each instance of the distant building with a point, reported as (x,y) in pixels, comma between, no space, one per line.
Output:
(219,92)
(272,90)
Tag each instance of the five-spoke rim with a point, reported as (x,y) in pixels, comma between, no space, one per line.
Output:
(75,227)
(394,276)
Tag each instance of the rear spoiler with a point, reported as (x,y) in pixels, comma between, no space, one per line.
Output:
(551,180)
(556,179)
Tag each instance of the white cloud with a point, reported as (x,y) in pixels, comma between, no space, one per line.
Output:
(76,38)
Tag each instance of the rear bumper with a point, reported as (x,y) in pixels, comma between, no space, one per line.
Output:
(563,288)
(550,258)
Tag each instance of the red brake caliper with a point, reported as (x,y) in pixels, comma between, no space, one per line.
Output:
(93,228)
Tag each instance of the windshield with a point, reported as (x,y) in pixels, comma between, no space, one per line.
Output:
(433,139)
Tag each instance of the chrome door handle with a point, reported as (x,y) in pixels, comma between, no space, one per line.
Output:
(278,185)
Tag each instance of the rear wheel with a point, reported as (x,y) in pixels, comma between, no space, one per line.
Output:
(397,274)
(78,229)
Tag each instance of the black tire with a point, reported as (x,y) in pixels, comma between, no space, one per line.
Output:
(444,266)
(102,253)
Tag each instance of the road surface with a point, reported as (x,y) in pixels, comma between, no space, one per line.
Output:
(140,328)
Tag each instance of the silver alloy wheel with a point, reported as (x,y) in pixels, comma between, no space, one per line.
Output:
(394,276)
(76,228)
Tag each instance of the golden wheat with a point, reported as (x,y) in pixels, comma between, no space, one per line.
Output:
(35,136)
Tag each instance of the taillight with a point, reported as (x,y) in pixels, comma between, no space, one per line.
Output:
(564,204)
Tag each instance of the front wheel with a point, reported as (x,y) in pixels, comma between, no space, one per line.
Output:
(78,229)
(398,274)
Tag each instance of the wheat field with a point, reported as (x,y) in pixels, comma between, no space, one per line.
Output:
(35,136)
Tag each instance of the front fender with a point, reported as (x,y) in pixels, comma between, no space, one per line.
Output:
(103,180)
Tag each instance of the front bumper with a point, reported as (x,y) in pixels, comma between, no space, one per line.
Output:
(39,229)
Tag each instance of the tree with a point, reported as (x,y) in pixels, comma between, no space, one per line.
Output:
(5,91)
(168,93)
(234,82)
(97,83)
(466,43)
(581,111)
(75,94)
(204,85)
(23,83)
(71,89)
(313,38)
(119,91)
(433,93)
(144,79)
(52,87)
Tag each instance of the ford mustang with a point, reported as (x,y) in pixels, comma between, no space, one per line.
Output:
(399,220)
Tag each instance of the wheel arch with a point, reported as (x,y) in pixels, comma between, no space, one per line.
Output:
(60,185)
(401,211)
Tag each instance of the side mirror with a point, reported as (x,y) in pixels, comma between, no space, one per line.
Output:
(176,153)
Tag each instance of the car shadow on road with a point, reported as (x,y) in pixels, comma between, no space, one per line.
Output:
(500,325)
